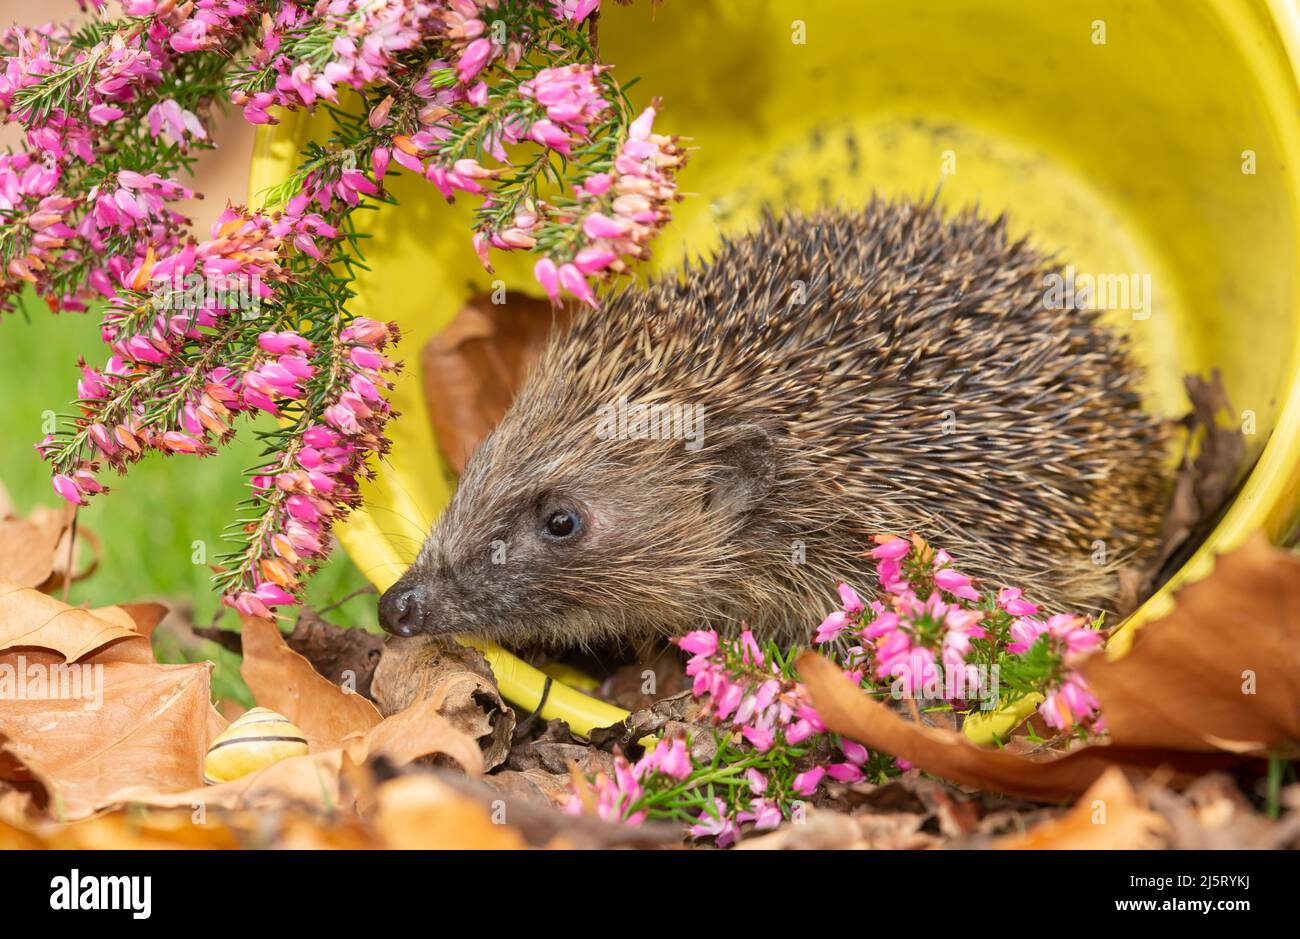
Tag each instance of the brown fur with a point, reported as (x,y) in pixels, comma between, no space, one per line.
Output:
(920,385)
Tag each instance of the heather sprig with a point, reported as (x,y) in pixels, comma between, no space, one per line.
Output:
(930,639)
(506,100)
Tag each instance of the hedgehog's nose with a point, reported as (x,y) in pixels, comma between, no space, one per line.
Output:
(403,608)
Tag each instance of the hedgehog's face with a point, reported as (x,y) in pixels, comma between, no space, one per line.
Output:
(567,537)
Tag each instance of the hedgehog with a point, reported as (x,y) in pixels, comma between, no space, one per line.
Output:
(720,445)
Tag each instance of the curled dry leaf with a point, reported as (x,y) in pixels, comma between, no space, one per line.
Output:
(284,681)
(29,547)
(340,654)
(473,368)
(420,811)
(536,785)
(1222,670)
(1214,681)
(1109,816)
(134,730)
(1212,814)
(32,620)
(456,680)
(1045,776)
(419,731)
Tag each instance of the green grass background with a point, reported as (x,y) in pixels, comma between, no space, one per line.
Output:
(148,524)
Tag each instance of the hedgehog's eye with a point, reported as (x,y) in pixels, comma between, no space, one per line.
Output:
(562,523)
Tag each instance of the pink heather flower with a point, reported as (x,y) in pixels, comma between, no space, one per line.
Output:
(955,583)
(806,783)
(676,762)
(597,184)
(272,595)
(728,700)
(700,642)
(68,489)
(757,781)
(572,280)
(1069,703)
(1011,599)
(850,600)
(831,627)
(715,825)
(573,100)
(854,752)
(891,550)
(1024,632)
(806,712)
(761,740)
(1073,633)
(844,772)
(473,59)
(548,276)
(798,732)
(575,10)
(884,624)
(914,670)
(764,813)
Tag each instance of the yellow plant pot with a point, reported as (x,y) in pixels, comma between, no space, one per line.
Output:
(1154,138)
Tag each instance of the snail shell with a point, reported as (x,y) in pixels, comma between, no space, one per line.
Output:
(254,741)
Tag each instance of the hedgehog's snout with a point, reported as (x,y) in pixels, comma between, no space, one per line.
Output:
(413,606)
(403,608)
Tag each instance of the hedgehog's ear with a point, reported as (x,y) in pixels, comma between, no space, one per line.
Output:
(746,461)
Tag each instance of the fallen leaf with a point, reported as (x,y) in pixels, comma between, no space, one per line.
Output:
(460,684)
(1213,815)
(474,366)
(30,619)
(135,730)
(420,812)
(1109,816)
(416,732)
(336,652)
(538,786)
(284,681)
(845,709)
(29,546)
(1219,672)
(311,780)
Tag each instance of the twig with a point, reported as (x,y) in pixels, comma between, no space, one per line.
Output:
(368,588)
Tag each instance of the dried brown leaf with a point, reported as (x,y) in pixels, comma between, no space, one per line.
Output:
(1201,485)
(30,619)
(29,547)
(1109,816)
(284,681)
(847,710)
(419,731)
(420,812)
(458,681)
(336,652)
(147,733)
(1222,670)
(473,368)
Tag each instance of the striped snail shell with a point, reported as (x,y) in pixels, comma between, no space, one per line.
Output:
(257,739)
